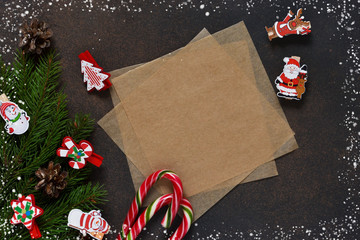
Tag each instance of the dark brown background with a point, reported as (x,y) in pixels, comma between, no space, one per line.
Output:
(307,191)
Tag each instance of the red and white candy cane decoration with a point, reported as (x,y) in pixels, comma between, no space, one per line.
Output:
(176,199)
(141,194)
(79,153)
(156,206)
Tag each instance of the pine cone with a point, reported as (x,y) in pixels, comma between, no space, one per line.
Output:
(35,37)
(52,179)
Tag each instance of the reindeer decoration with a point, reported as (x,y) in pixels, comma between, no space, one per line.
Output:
(288,27)
(300,89)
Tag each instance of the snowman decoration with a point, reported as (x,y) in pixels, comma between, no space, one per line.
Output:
(88,223)
(17,120)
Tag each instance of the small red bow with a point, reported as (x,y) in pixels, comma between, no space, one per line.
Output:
(305,31)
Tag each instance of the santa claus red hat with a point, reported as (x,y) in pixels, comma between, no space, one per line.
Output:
(3,106)
(291,61)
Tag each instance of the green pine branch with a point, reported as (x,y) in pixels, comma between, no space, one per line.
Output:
(33,85)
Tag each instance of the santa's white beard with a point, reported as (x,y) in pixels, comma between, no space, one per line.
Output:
(290,75)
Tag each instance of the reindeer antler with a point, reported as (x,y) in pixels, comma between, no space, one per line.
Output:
(298,14)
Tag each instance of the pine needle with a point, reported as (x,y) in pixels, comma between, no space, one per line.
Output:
(33,85)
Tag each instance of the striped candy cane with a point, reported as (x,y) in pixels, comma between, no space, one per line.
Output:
(186,221)
(78,153)
(156,206)
(141,194)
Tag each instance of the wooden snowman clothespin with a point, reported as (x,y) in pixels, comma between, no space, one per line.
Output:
(17,120)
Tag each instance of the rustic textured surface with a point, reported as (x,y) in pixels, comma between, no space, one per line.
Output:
(307,190)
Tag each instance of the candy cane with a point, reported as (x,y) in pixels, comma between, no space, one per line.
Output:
(186,221)
(143,190)
(156,206)
(78,153)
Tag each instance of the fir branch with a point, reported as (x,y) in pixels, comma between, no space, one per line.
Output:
(40,101)
(33,86)
(81,127)
(84,197)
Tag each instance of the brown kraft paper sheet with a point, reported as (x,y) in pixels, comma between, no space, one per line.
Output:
(203,201)
(199,111)
(130,82)
(109,123)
